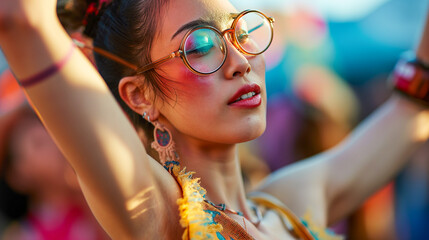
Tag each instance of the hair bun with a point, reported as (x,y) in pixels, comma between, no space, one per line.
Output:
(71,13)
(75,14)
(94,10)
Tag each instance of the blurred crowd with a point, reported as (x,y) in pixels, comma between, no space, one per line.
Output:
(40,195)
(324,75)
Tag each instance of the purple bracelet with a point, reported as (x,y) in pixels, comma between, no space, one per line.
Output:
(27,82)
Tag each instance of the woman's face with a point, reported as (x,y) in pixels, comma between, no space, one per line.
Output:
(37,163)
(205,107)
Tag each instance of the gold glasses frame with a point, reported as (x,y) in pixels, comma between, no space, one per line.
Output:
(232,36)
(180,52)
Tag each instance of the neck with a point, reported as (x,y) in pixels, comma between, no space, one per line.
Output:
(219,170)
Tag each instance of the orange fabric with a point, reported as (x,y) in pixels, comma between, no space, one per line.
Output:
(231,229)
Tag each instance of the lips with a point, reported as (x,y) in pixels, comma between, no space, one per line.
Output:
(245,94)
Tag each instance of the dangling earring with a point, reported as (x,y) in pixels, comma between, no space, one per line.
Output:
(193,193)
(165,146)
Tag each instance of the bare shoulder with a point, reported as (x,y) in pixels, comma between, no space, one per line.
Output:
(301,187)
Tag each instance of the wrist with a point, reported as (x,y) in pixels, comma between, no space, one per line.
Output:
(13,27)
(31,50)
(410,78)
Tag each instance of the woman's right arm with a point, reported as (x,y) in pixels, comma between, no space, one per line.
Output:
(87,124)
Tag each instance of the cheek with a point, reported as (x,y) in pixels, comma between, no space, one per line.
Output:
(197,96)
(258,65)
(191,98)
(183,83)
(192,86)
(191,78)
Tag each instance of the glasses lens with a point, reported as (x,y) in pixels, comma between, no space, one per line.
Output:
(204,50)
(254,33)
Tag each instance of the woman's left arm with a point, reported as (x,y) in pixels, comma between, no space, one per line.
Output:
(372,155)
(333,184)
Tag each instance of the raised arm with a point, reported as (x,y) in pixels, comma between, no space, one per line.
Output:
(333,184)
(118,179)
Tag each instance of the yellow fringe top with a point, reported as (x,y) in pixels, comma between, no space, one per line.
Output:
(197,222)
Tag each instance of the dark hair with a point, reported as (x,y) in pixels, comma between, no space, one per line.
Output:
(71,13)
(127,29)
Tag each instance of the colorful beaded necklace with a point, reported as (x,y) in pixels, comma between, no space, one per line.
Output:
(222,207)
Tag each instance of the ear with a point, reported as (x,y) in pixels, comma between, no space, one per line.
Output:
(138,97)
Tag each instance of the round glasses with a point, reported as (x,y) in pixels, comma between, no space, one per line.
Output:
(204,50)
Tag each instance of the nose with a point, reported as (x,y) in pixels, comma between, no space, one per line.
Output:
(236,63)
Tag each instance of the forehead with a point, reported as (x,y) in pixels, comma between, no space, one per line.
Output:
(179,12)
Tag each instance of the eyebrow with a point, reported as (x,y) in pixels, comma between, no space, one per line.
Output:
(192,24)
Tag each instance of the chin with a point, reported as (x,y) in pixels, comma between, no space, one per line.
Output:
(249,132)
(257,133)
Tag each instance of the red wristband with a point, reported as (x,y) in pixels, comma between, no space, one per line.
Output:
(411,78)
(30,81)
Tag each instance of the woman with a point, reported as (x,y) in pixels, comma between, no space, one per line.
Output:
(130,193)
(36,168)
